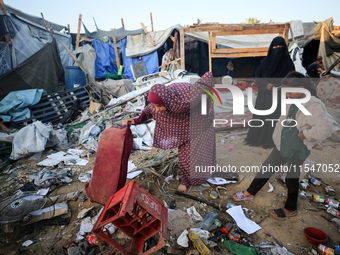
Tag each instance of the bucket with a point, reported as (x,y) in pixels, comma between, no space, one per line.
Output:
(74,77)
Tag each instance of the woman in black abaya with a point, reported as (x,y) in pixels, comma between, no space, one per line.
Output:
(269,74)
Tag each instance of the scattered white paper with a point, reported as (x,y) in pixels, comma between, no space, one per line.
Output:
(219,181)
(56,158)
(75,151)
(43,192)
(77,161)
(242,221)
(131,167)
(138,144)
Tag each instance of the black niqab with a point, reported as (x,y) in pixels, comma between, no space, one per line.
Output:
(277,59)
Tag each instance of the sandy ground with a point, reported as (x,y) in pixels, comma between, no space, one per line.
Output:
(287,232)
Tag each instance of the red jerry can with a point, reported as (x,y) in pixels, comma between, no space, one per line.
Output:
(138,214)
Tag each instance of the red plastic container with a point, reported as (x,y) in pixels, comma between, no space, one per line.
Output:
(139,215)
(315,236)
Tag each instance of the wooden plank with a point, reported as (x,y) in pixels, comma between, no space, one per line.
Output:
(174,46)
(209,47)
(239,55)
(116,51)
(147,34)
(213,43)
(177,59)
(3,8)
(240,50)
(123,23)
(68,28)
(249,32)
(49,30)
(234,28)
(182,48)
(285,35)
(151,21)
(78,32)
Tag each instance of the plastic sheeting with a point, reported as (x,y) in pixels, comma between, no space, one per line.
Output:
(139,45)
(14,107)
(30,139)
(29,37)
(87,58)
(105,59)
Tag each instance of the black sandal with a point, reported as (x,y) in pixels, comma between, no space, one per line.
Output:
(281,214)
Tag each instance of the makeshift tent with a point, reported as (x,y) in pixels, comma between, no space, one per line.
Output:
(320,41)
(43,70)
(28,35)
(133,46)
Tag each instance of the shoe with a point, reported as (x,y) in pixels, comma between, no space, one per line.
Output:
(241,197)
(281,214)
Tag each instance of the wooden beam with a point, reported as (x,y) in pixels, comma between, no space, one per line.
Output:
(148,35)
(182,48)
(239,55)
(78,32)
(249,32)
(48,30)
(68,28)
(233,28)
(174,46)
(209,47)
(122,23)
(116,51)
(240,50)
(285,35)
(4,12)
(151,21)
(177,59)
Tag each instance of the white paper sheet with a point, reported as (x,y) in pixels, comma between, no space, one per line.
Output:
(131,167)
(75,151)
(242,221)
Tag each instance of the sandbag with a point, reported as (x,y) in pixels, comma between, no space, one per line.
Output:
(110,169)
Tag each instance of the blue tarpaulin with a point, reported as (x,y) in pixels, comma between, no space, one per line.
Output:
(106,55)
(14,107)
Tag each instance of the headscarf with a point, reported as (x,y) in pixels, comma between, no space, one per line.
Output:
(277,60)
(154,98)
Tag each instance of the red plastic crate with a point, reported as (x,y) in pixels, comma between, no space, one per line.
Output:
(135,212)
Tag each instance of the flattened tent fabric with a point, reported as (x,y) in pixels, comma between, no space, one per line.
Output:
(119,33)
(43,70)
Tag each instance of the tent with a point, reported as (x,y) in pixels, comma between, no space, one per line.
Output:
(320,41)
(28,35)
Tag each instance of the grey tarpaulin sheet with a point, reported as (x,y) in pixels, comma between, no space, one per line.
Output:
(139,45)
(14,107)
(119,33)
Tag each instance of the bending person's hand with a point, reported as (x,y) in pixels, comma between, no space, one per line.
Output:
(130,121)
(269,86)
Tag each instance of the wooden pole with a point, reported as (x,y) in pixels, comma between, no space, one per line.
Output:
(50,30)
(286,31)
(182,48)
(148,35)
(151,21)
(3,7)
(210,62)
(174,46)
(116,51)
(122,23)
(177,59)
(68,28)
(78,32)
